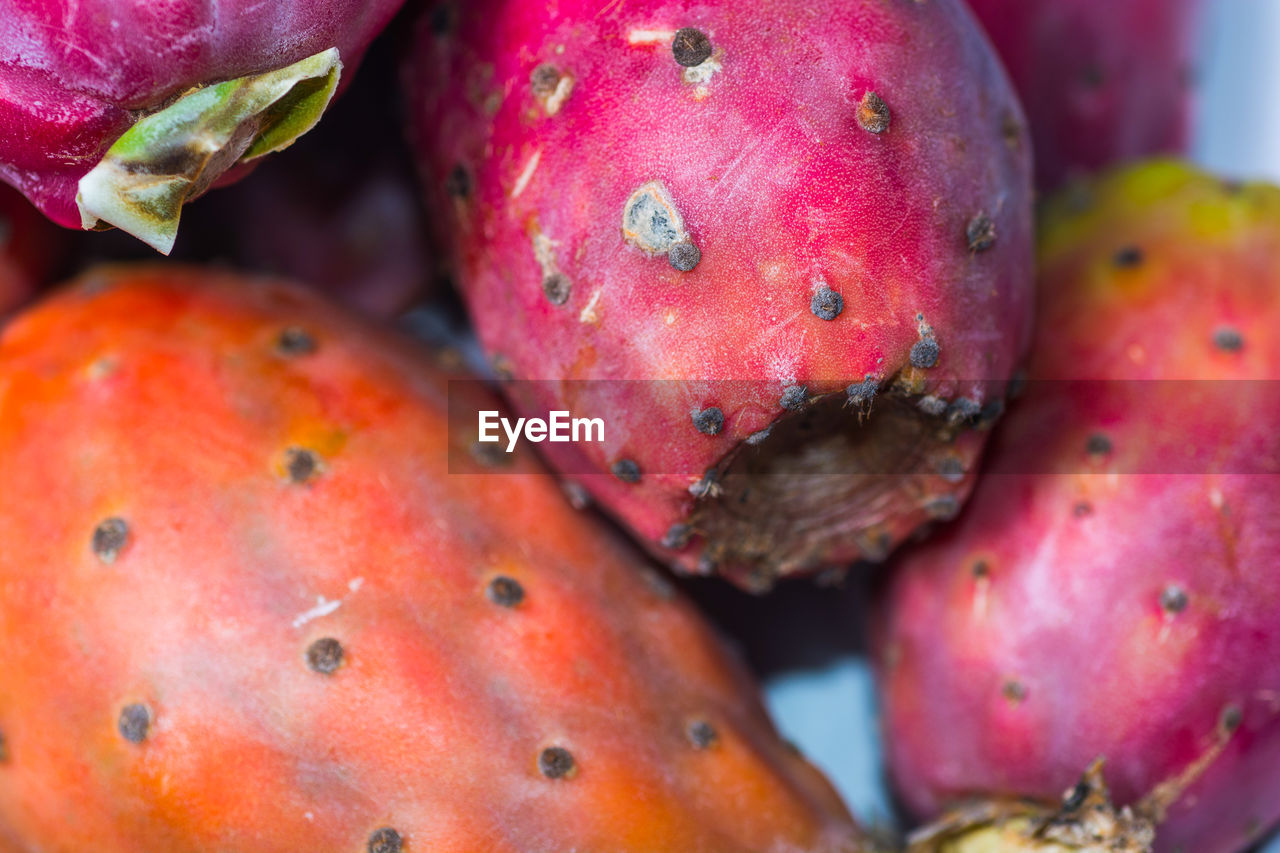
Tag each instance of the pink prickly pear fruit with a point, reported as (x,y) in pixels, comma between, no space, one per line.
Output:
(261,596)
(118,113)
(1102,81)
(784,245)
(1111,590)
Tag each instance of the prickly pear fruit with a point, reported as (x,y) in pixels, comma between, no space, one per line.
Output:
(259,596)
(1112,591)
(1103,81)
(117,113)
(804,225)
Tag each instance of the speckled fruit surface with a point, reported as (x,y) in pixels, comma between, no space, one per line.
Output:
(785,245)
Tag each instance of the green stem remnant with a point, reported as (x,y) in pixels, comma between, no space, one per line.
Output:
(172,156)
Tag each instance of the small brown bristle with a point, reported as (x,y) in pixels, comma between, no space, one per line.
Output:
(691,47)
(709,421)
(301,464)
(980,233)
(556,287)
(295,341)
(684,256)
(1173,599)
(544,79)
(556,762)
(873,113)
(826,304)
(385,840)
(505,592)
(626,470)
(1098,445)
(134,722)
(702,734)
(458,183)
(325,655)
(1014,691)
(109,539)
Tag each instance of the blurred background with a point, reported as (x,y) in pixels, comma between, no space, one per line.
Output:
(1236,134)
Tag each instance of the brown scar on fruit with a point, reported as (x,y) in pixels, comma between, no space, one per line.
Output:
(551,86)
(651,221)
(4,749)
(748,516)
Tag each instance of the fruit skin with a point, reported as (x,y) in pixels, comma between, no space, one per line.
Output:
(170,399)
(539,126)
(1110,590)
(1102,81)
(74,76)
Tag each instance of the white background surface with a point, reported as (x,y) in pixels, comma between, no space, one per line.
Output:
(829,712)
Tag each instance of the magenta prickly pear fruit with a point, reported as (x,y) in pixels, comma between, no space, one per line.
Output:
(117,113)
(786,245)
(261,595)
(1112,590)
(1102,81)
